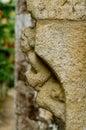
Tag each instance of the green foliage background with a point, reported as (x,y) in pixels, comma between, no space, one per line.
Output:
(7,20)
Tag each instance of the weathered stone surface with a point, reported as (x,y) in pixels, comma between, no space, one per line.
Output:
(57,9)
(56,50)
(21,6)
(27,111)
(27,39)
(62,45)
(49,97)
(37,75)
(40,74)
(40,77)
(22,20)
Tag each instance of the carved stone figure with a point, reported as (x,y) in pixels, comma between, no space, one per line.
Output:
(42,79)
(50,88)
(56,50)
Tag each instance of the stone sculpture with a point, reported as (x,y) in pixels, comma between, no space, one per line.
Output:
(42,79)
(56,50)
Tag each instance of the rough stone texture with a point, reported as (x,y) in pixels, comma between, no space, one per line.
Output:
(40,78)
(56,50)
(25,107)
(62,45)
(40,74)
(26,110)
(50,95)
(57,9)
(27,39)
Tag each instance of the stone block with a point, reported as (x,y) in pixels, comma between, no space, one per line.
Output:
(57,9)
(62,46)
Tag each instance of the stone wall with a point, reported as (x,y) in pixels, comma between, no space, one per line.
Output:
(55,47)
(26,109)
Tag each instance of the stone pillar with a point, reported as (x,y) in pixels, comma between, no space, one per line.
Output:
(56,49)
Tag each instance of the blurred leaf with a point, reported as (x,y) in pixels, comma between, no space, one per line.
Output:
(7,20)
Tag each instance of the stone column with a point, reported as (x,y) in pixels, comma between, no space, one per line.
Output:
(56,49)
